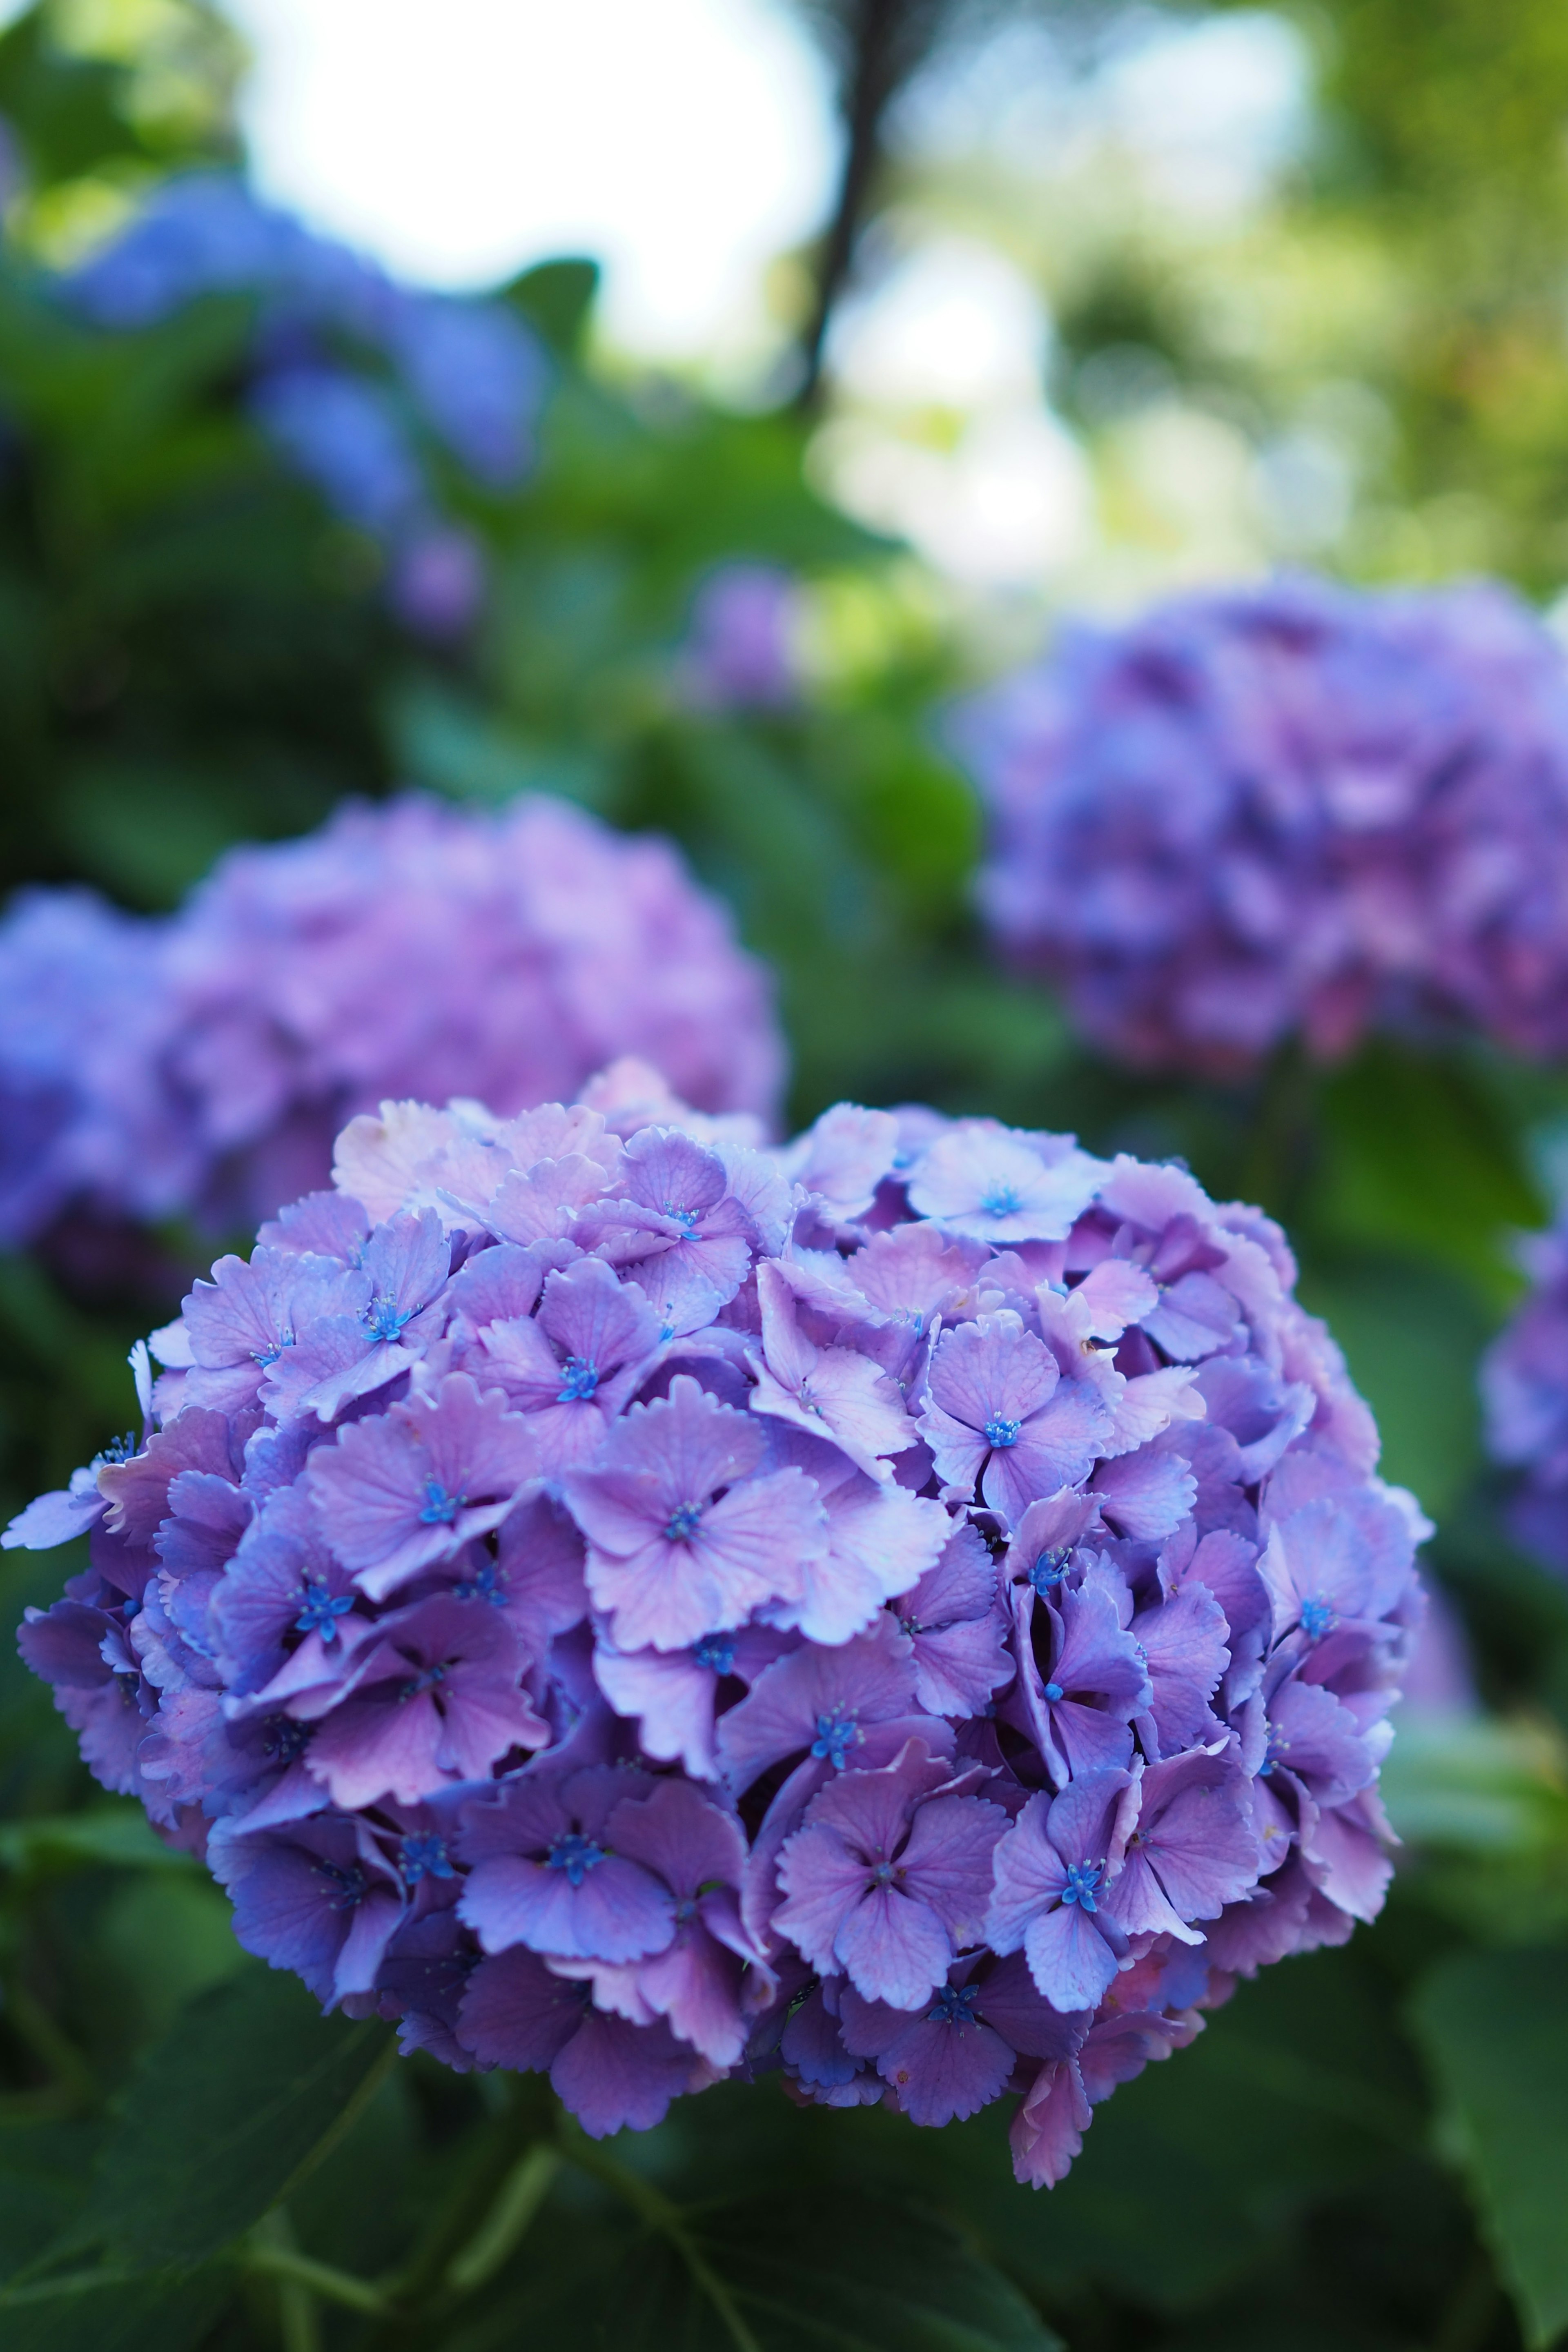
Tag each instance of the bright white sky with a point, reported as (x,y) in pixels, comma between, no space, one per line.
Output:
(685,142)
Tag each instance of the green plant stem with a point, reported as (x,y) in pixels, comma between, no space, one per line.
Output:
(298,2322)
(660,2214)
(522,2194)
(282,2263)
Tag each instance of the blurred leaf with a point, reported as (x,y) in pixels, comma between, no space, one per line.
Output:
(1415,1156)
(1410,1336)
(1494,2026)
(248,2090)
(1478,1783)
(557,297)
(116,2315)
(803,2273)
(117,1833)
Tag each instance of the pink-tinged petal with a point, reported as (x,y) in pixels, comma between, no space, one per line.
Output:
(679,1834)
(1054,1448)
(517,1357)
(1009,2001)
(893,1949)
(617,1911)
(1184,1644)
(958,1667)
(1069,1960)
(992,1368)
(499,1285)
(863,1682)
(1195,1827)
(790,1356)
(749,1547)
(879,1541)
(958,1452)
(1353,1867)
(1148,1405)
(538,1204)
(1027,1876)
(941,2074)
(1145,1494)
(947,1862)
(671,1697)
(844,1156)
(1113,1294)
(824,1881)
(1002,1185)
(696,1984)
(1047,2132)
(1138,1903)
(615,2076)
(1195,1316)
(375,1746)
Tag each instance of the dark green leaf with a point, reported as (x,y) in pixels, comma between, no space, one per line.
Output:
(1494,2026)
(250,2087)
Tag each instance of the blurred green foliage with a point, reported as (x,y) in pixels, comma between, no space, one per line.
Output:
(1368,2148)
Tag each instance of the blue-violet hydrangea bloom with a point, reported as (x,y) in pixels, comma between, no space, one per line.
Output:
(1287,811)
(644,1609)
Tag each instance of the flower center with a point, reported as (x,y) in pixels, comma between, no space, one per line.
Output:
(439,1508)
(488,1583)
(1050,1568)
(1055,1693)
(122,1449)
(424,1856)
(575,1854)
(1000,1431)
(349,1886)
(579,1378)
(427,1679)
(1000,1201)
(717,1652)
(321,1609)
(384,1318)
(954,2005)
(267,1357)
(685,1218)
(1083,1877)
(836,1735)
(683,1522)
(1317,1618)
(286,1739)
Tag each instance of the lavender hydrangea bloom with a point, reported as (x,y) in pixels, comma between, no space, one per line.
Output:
(329,327)
(741,651)
(1524,1392)
(1295,810)
(204,1063)
(628,1605)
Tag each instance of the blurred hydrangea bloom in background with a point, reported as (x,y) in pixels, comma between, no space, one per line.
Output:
(203,1063)
(468,372)
(915,1611)
(1293,810)
(1524,1392)
(742,647)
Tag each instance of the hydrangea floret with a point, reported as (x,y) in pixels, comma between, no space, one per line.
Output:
(204,1062)
(913,1613)
(1291,811)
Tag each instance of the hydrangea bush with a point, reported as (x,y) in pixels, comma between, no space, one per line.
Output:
(1286,811)
(205,1063)
(356,381)
(914,1612)
(1524,1392)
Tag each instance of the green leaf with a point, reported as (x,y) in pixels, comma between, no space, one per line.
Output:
(1418,1155)
(818,2273)
(118,1834)
(250,2088)
(1494,2026)
(1410,1336)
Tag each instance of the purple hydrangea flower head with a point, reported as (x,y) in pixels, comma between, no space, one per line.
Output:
(741,648)
(1524,1392)
(344,362)
(204,1063)
(625,1603)
(1292,810)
